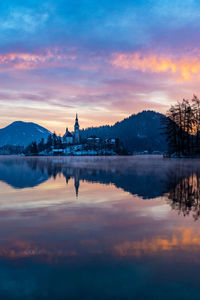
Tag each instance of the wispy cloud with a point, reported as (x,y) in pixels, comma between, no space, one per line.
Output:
(184,67)
(31,61)
(23,19)
(106,59)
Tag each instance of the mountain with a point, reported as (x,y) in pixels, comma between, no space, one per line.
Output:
(22,133)
(139,132)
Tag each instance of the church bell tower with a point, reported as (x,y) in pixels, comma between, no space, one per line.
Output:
(76,131)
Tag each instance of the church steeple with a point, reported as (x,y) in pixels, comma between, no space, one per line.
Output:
(76,120)
(76,131)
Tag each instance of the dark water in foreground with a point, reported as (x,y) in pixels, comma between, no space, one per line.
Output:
(99,228)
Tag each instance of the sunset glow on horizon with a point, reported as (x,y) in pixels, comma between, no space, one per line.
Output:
(104,60)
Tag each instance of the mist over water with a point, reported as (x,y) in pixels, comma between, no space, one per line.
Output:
(99,228)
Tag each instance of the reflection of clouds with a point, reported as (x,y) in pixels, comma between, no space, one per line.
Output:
(27,250)
(157,212)
(181,239)
(55,226)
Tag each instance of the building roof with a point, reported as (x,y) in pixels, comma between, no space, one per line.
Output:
(68,134)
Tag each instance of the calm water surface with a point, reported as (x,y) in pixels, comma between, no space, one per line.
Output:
(99,228)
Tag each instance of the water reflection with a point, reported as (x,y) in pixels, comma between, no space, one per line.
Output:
(80,228)
(184,192)
(150,179)
(20,173)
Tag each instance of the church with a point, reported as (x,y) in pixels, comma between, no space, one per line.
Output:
(69,138)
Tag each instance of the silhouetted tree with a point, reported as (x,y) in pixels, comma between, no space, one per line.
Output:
(182,128)
(49,143)
(32,149)
(170,130)
(41,145)
(196,109)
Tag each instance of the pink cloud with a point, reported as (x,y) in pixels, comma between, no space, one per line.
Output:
(26,61)
(49,86)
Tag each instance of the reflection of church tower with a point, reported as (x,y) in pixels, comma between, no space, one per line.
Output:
(76,180)
(76,131)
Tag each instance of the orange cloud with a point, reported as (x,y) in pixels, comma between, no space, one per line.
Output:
(185,68)
(32,61)
(182,239)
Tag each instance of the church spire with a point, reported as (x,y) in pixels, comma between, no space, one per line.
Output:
(76,131)
(76,120)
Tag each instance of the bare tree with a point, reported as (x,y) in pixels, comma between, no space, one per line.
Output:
(182,128)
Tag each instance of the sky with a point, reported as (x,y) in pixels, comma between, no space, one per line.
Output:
(104,59)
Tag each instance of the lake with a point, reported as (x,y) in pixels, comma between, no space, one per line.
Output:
(99,228)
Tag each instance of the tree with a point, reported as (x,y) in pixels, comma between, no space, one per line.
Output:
(182,127)
(32,149)
(41,145)
(55,141)
(196,109)
(170,130)
(59,142)
(49,143)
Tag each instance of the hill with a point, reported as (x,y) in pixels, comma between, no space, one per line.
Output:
(22,133)
(139,132)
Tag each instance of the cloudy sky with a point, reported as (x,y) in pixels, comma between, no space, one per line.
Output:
(104,59)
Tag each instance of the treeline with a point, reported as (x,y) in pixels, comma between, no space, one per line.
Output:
(182,128)
(52,141)
(55,142)
(11,150)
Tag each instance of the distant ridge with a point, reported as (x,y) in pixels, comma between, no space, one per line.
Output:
(139,132)
(22,133)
